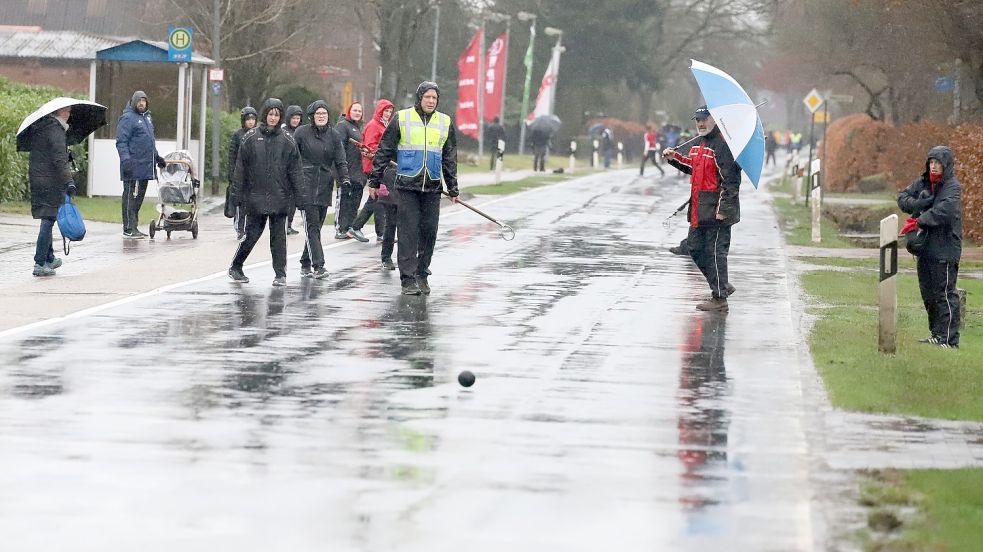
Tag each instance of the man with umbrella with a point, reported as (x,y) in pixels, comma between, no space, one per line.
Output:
(541,131)
(46,134)
(715,180)
(137,147)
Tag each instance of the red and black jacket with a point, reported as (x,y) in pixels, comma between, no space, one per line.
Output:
(715,179)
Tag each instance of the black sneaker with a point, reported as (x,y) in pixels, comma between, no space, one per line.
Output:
(947,346)
(932,340)
(411,288)
(279,281)
(341,236)
(320,273)
(133,235)
(237,275)
(291,231)
(139,233)
(679,250)
(357,234)
(43,270)
(388,264)
(378,239)
(305,272)
(730,289)
(53,264)
(424,285)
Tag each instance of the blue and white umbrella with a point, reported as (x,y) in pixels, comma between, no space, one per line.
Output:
(735,115)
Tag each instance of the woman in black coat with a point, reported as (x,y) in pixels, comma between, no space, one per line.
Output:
(50,178)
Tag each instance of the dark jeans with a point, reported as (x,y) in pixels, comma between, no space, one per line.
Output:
(389,232)
(937,283)
(371,207)
(417,216)
(44,252)
(313,255)
(351,196)
(709,246)
(650,156)
(133,192)
(278,240)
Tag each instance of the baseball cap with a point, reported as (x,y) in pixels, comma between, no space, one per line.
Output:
(701,112)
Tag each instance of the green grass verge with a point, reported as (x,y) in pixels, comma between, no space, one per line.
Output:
(101,209)
(920,379)
(796,224)
(517,185)
(904,262)
(947,515)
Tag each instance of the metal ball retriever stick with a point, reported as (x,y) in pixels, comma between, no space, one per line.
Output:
(508,234)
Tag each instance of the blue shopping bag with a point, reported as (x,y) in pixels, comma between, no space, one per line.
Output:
(70,223)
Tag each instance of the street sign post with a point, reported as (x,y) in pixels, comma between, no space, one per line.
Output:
(179,44)
(216,75)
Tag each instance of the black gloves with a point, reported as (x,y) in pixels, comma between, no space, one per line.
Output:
(70,188)
(453,192)
(160,162)
(924,200)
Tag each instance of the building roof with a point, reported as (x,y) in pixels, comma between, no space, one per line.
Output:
(24,43)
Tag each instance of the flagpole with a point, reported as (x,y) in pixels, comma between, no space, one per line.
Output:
(524,16)
(481,90)
(505,67)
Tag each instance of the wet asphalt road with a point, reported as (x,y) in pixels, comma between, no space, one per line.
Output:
(608,413)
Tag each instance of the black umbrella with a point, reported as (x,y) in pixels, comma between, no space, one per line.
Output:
(86,117)
(546,123)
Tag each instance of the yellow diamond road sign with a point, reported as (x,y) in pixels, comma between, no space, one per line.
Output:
(813,100)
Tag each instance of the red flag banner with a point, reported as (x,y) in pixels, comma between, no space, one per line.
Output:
(467,88)
(495,77)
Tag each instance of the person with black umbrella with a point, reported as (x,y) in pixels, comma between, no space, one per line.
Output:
(50,178)
(422,142)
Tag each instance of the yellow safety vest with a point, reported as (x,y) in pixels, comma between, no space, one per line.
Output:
(421,144)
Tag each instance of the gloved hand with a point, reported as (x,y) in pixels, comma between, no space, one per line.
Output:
(127,168)
(161,163)
(70,188)
(453,192)
(925,200)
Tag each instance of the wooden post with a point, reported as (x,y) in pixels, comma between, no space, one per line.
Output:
(815,191)
(888,286)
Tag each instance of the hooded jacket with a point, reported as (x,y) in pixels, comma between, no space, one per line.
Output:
(135,142)
(938,208)
(268,171)
(374,130)
(421,182)
(349,130)
(291,111)
(715,181)
(236,139)
(321,150)
(48,167)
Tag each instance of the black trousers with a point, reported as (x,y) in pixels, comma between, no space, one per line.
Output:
(254,224)
(351,196)
(539,158)
(239,222)
(650,156)
(133,193)
(937,282)
(417,215)
(708,247)
(313,216)
(372,207)
(389,232)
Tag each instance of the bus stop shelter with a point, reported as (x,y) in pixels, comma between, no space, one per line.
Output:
(120,70)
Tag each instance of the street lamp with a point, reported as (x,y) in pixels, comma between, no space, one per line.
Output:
(526,16)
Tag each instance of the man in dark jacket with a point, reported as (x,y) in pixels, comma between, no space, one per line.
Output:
(137,147)
(247,120)
(292,120)
(493,133)
(50,178)
(715,181)
(422,142)
(935,199)
(267,176)
(321,150)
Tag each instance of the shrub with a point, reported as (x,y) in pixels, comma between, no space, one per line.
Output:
(853,146)
(230,123)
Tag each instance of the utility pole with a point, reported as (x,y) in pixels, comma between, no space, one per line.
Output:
(436,39)
(216,95)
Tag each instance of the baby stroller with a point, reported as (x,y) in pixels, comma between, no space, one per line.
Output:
(178,194)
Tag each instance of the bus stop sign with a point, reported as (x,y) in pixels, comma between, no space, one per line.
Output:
(179,44)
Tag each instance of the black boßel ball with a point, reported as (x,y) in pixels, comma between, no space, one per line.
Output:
(465,378)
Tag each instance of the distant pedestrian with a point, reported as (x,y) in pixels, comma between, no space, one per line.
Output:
(493,133)
(650,151)
(292,120)
(267,176)
(771,146)
(386,194)
(935,200)
(424,146)
(137,148)
(322,154)
(50,177)
(247,121)
(715,180)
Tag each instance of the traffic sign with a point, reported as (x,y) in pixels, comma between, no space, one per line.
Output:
(840,98)
(179,44)
(945,84)
(813,101)
(216,75)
